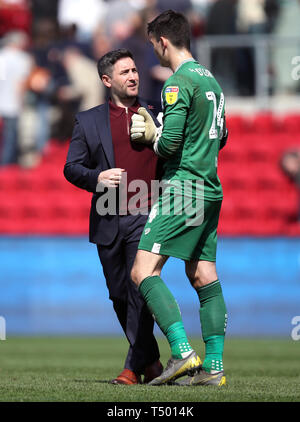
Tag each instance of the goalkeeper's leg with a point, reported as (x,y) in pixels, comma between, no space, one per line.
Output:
(213,314)
(164,308)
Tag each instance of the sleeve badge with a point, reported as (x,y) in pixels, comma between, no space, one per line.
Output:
(171,94)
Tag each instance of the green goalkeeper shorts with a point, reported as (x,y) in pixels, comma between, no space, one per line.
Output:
(182,235)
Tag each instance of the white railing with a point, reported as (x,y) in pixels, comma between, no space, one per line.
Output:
(263,48)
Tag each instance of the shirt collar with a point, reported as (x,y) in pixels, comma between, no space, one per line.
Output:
(182,63)
(117,111)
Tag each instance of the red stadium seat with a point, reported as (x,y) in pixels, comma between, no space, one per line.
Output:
(259,148)
(237,176)
(259,200)
(9,208)
(263,123)
(291,124)
(236,123)
(9,178)
(293,229)
(269,177)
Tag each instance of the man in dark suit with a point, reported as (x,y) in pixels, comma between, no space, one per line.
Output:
(99,157)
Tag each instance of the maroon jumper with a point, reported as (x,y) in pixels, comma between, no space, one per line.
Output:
(138,160)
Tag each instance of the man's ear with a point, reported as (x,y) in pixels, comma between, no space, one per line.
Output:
(106,80)
(163,42)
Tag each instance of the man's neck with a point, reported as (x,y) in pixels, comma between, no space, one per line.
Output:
(178,57)
(123,102)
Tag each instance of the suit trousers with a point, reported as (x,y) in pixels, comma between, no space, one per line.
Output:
(132,312)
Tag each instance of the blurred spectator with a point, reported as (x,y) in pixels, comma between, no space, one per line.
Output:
(272,9)
(35,120)
(84,80)
(157,77)
(251,17)
(152,74)
(62,82)
(80,90)
(41,9)
(202,6)
(45,31)
(86,15)
(221,20)
(191,9)
(101,44)
(197,17)
(17,64)
(290,164)
(182,6)
(121,20)
(256,17)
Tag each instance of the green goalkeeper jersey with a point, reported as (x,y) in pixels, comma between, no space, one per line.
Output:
(193,105)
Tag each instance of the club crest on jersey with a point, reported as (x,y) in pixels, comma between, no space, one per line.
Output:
(171,94)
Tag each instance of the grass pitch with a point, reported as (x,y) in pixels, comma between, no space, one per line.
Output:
(78,370)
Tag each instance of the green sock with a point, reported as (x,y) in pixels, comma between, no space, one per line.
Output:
(166,313)
(213,318)
(180,347)
(214,347)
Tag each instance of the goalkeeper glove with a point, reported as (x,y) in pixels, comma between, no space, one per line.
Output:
(224,134)
(143,128)
(224,139)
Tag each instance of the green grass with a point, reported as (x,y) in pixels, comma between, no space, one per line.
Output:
(78,369)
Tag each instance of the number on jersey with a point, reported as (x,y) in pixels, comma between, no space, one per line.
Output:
(218,120)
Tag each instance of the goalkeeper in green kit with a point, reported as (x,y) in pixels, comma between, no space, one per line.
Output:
(189,141)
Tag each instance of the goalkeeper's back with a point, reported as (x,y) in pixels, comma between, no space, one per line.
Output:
(193,126)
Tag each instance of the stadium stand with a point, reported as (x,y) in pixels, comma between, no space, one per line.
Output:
(259,200)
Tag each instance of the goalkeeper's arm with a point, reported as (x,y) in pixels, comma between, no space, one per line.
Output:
(143,128)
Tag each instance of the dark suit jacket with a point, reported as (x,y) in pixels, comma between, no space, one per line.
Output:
(90,152)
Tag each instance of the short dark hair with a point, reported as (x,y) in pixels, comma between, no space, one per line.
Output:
(106,62)
(172,25)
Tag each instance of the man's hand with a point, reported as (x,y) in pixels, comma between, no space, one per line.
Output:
(111,178)
(143,128)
